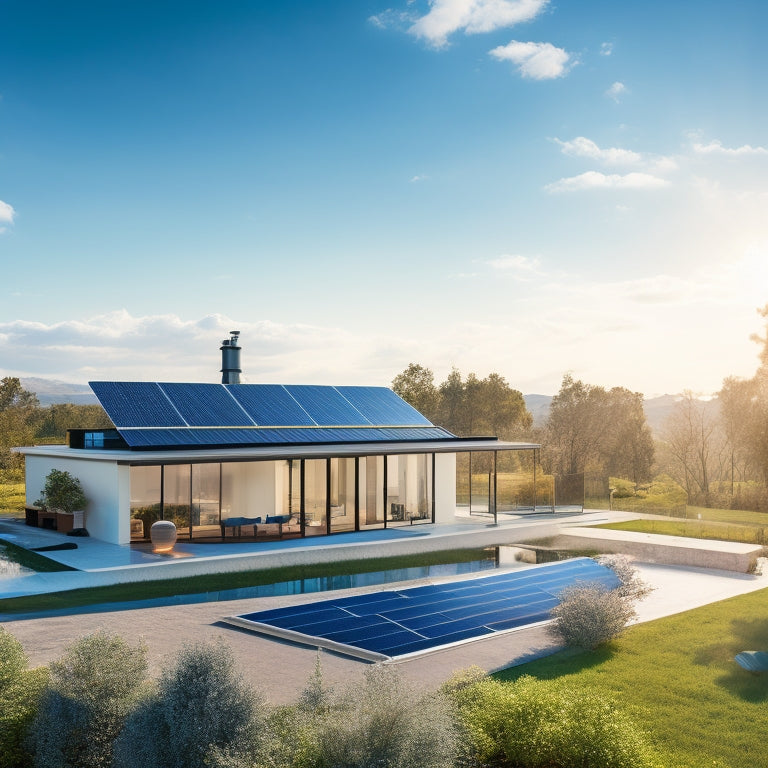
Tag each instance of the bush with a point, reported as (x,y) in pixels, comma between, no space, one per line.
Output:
(589,615)
(632,587)
(62,491)
(20,691)
(546,724)
(199,714)
(387,723)
(92,689)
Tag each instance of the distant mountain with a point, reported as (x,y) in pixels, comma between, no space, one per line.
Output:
(657,409)
(52,391)
(538,405)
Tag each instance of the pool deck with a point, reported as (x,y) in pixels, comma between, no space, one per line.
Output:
(99,563)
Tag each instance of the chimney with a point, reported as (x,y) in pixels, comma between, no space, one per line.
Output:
(230,359)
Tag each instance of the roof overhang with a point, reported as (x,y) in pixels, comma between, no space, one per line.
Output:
(275,452)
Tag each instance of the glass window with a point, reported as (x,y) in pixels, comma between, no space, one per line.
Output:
(409,488)
(145,500)
(342,494)
(314,497)
(205,497)
(371,470)
(176,495)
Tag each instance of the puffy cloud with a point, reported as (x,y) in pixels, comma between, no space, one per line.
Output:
(715,147)
(7,214)
(473,16)
(606,49)
(597,180)
(616,91)
(537,61)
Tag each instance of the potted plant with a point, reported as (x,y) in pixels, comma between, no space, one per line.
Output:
(64,494)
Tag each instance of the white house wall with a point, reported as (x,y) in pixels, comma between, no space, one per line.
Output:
(249,489)
(445,487)
(105,485)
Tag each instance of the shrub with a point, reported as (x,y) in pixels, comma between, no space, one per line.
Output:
(589,615)
(20,691)
(62,491)
(92,688)
(199,714)
(385,722)
(632,587)
(546,724)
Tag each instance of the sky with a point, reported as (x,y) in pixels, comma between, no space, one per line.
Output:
(526,187)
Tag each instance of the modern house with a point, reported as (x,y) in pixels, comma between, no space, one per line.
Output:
(229,460)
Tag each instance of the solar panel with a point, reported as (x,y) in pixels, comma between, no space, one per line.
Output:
(327,406)
(396,622)
(148,415)
(381,406)
(270,405)
(136,404)
(206,405)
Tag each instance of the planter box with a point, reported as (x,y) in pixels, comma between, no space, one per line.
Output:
(65,522)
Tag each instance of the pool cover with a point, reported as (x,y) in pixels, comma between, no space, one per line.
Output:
(394,623)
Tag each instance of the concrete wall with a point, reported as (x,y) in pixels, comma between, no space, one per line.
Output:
(106,488)
(445,487)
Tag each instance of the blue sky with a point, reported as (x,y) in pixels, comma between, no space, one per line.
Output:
(519,186)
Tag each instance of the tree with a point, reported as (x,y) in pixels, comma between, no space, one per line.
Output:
(18,409)
(416,385)
(590,428)
(92,689)
(695,446)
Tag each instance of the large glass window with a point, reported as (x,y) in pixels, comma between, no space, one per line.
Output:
(342,494)
(145,499)
(371,470)
(315,496)
(206,482)
(409,488)
(177,491)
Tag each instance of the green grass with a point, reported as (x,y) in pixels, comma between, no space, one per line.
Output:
(12,499)
(677,678)
(32,560)
(145,590)
(747,534)
(736,516)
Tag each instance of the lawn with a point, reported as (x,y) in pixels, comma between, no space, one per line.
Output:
(696,529)
(676,676)
(12,498)
(191,585)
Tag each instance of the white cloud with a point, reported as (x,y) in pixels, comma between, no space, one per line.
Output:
(584,147)
(597,180)
(715,147)
(473,16)
(523,268)
(616,91)
(538,61)
(7,213)
(606,49)
(418,177)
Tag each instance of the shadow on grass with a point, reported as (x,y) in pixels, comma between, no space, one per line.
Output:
(748,635)
(568,661)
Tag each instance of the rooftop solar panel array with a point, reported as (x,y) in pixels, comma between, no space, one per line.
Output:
(173,415)
(396,623)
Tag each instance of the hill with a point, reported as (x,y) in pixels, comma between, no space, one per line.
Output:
(51,391)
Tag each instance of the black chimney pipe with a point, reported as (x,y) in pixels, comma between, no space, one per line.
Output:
(230,359)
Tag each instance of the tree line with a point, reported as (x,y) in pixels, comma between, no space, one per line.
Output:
(23,421)
(716,450)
